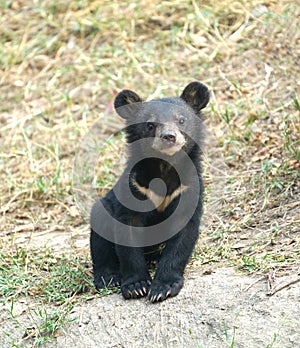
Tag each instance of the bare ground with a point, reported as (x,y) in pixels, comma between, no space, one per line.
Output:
(220,309)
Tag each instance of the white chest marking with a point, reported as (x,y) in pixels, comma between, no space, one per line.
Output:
(160,202)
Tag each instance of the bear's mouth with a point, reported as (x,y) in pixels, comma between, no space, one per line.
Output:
(168,139)
(168,148)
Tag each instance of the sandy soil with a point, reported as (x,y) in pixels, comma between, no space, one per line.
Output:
(221,309)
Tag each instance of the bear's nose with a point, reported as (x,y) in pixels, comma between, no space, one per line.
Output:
(168,136)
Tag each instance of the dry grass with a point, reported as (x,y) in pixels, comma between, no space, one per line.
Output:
(61,65)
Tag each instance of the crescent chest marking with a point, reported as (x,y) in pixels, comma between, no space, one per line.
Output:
(160,202)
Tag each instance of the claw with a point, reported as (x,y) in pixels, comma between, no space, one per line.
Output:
(144,290)
(153,298)
(149,282)
(136,292)
(129,294)
(159,297)
(141,292)
(168,293)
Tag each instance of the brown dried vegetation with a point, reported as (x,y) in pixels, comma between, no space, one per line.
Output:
(61,65)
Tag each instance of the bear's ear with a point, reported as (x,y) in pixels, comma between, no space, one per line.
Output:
(126,97)
(196,95)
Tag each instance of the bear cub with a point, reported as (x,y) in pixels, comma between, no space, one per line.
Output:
(163,171)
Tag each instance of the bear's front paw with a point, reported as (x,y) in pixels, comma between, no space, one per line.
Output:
(161,290)
(102,281)
(135,290)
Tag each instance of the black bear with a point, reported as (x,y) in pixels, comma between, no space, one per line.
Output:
(152,215)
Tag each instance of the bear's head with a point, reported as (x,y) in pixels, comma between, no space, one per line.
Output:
(169,124)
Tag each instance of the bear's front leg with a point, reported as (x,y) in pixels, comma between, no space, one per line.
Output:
(168,279)
(135,276)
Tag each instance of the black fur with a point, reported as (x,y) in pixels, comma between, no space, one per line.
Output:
(115,264)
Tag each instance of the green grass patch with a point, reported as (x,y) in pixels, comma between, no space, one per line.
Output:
(43,275)
(45,324)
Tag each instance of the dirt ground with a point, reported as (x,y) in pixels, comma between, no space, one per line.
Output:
(239,314)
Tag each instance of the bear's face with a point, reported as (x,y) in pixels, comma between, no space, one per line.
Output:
(166,124)
(169,124)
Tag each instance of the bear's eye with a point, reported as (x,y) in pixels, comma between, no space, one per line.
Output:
(150,125)
(181,120)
